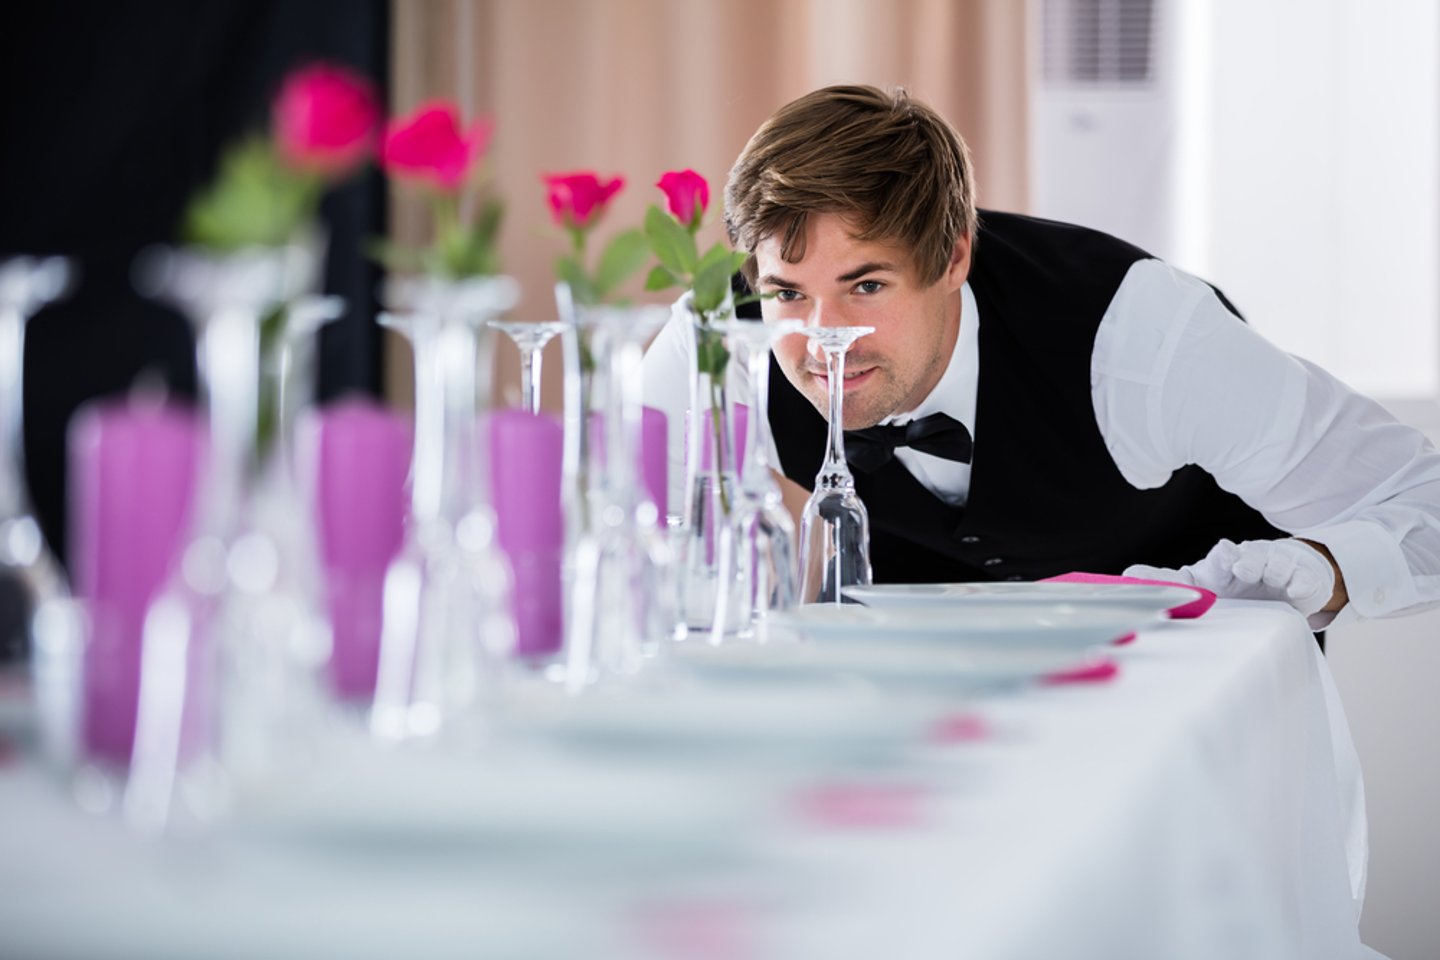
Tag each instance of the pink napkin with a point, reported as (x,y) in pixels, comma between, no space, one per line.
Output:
(1204,599)
(1092,671)
(861,806)
(959,728)
(698,929)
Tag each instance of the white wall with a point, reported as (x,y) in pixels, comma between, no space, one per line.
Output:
(1286,150)
(1324,156)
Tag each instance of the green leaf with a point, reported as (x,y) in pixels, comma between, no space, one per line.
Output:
(716,253)
(254,200)
(755,298)
(394,256)
(673,245)
(710,353)
(487,224)
(476,253)
(622,256)
(660,278)
(712,276)
(711,285)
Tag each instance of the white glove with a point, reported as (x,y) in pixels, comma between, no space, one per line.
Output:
(1287,570)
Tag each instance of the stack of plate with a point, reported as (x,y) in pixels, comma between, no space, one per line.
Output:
(967,636)
(1150,598)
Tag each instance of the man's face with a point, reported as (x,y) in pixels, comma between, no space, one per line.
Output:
(844,282)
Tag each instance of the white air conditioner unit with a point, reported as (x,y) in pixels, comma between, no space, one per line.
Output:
(1105,136)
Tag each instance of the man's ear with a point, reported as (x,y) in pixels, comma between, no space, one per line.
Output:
(959,267)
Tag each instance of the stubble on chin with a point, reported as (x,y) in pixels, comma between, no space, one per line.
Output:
(859,412)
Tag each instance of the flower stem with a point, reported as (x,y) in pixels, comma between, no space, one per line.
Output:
(717,421)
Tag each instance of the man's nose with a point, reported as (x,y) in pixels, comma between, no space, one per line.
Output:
(823,315)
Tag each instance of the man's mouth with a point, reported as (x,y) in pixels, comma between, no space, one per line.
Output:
(853,378)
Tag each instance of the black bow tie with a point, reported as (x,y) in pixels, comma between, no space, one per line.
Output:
(938,435)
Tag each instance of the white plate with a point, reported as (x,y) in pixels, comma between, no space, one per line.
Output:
(505,801)
(1059,625)
(968,668)
(703,720)
(1138,596)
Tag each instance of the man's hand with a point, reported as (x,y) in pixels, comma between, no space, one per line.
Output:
(1299,572)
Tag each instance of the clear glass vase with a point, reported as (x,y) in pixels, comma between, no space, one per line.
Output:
(619,608)
(762,530)
(37,616)
(235,642)
(446,624)
(710,601)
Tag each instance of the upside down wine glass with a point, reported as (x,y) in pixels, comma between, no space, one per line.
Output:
(620,606)
(36,610)
(834,529)
(446,619)
(530,339)
(235,640)
(763,533)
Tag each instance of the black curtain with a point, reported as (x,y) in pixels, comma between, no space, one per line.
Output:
(111,114)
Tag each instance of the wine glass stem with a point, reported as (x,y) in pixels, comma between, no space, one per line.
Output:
(835,376)
(229,356)
(427,472)
(757,456)
(530,366)
(445,364)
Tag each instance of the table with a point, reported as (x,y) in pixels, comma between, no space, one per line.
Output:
(1205,802)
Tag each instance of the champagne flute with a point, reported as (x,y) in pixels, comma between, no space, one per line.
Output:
(834,528)
(530,338)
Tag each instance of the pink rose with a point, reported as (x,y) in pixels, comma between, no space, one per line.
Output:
(429,146)
(687,194)
(579,199)
(324,119)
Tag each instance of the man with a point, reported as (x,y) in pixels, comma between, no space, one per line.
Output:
(1043,398)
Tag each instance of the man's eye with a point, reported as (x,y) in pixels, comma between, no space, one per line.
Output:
(869,286)
(787,296)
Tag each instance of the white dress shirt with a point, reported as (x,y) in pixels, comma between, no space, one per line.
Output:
(1177,379)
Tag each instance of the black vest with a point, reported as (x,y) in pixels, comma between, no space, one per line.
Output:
(1045,496)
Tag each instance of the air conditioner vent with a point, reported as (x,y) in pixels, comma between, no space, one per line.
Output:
(1097,42)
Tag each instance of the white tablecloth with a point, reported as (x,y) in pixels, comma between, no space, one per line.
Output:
(1206,802)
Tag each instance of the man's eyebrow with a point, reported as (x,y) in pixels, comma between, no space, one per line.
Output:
(864,268)
(771,280)
(874,266)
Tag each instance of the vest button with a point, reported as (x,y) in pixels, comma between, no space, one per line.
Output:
(993,562)
(969,538)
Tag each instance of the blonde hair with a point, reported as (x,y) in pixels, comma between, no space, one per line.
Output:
(891,165)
